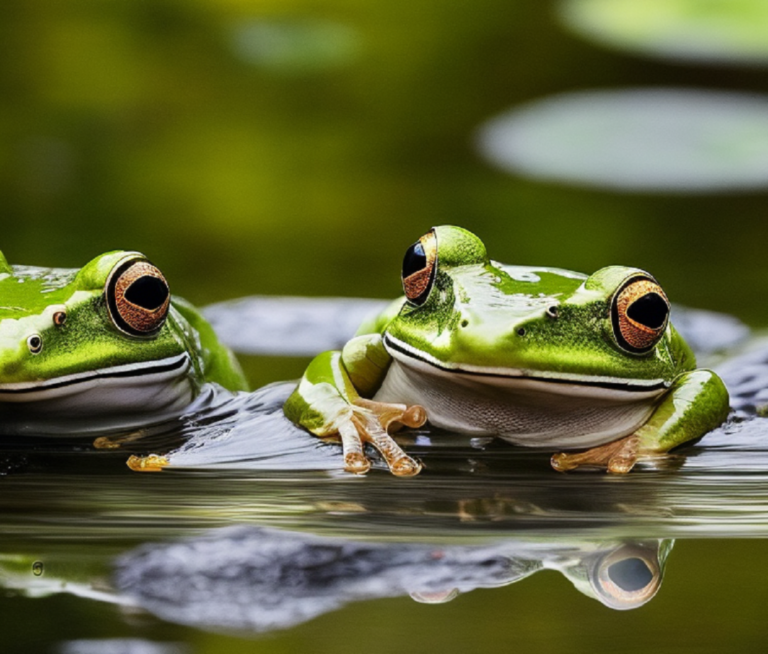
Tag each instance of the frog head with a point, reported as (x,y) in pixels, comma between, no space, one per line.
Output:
(66,327)
(465,313)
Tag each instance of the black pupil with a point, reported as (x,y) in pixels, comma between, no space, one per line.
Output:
(630,574)
(650,310)
(147,292)
(414,260)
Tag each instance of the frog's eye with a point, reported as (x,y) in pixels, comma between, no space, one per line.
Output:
(627,578)
(138,298)
(640,315)
(419,265)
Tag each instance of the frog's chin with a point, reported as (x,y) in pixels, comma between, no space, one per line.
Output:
(558,383)
(113,397)
(536,411)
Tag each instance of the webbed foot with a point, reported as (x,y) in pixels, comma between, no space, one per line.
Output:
(618,456)
(369,424)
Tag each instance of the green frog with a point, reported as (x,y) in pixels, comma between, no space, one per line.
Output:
(586,366)
(100,347)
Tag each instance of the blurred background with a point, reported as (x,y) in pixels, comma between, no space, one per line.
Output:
(297,147)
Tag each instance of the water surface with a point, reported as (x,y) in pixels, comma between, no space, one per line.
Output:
(255,530)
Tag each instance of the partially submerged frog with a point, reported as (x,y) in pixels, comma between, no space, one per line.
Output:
(537,356)
(102,347)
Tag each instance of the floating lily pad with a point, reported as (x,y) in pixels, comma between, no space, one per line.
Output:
(641,140)
(706,30)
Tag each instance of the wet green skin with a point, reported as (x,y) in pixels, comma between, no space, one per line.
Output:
(484,315)
(88,340)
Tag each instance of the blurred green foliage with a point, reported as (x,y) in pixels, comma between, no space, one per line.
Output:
(151,125)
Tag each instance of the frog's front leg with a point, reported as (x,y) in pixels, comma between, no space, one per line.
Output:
(329,402)
(696,403)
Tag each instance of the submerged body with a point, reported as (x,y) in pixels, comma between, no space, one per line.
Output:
(103,347)
(538,356)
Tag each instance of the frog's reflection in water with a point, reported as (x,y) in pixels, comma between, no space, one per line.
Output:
(255,579)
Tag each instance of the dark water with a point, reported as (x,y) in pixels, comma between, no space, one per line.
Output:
(297,150)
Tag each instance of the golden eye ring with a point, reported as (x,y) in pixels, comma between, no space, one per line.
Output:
(627,577)
(138,298)
(640,314)
(419,267)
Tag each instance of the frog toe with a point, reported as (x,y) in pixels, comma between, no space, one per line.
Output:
(394,414)
(356,463)
(370,431)
(625,458)
(355,460)
(618,457)
(405,466)
(414,416)
(563,462)
(150,463)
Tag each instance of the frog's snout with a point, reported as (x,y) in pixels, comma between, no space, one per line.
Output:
(13,351)
(16,347)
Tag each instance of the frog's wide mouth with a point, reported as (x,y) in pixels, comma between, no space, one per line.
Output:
(412,357)
(169,366)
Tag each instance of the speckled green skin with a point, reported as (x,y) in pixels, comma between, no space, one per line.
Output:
(29,297)
(492,318)
(476,311)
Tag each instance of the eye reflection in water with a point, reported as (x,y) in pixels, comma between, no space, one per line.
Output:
(257,580)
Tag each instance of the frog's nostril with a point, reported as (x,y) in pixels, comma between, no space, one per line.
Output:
(552,311)
(35,343)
